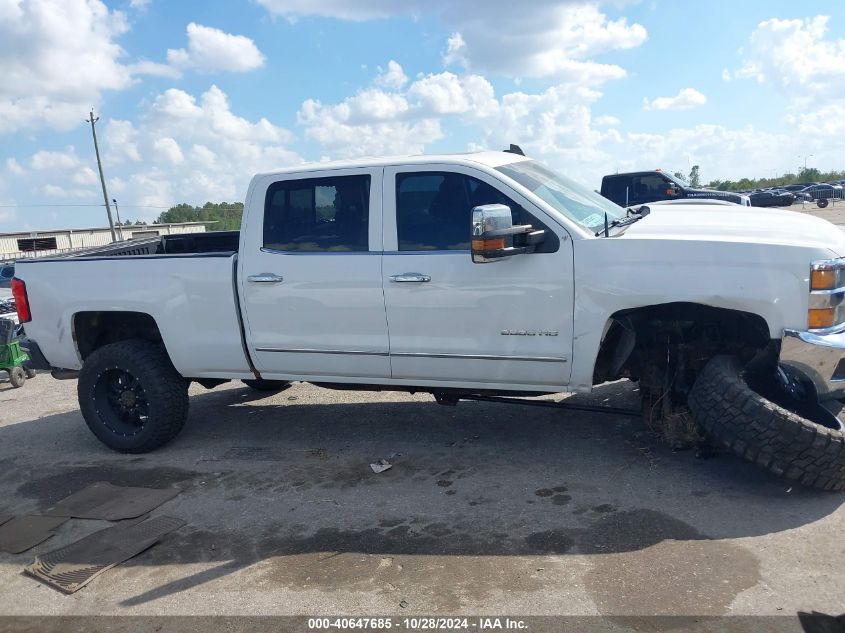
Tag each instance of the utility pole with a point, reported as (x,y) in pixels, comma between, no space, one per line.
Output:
(119,223)
(92,121)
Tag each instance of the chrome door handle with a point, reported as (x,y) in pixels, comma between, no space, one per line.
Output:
(410,278)
(265,278)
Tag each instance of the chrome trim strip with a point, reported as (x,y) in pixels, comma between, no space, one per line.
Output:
(274,251)
(432,252)
(352,352)
(831,291)
(538,359)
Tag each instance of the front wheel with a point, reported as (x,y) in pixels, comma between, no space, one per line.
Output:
(822,203)
(131,396)
(808,447)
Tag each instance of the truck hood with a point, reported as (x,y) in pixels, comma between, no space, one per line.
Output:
(737,224)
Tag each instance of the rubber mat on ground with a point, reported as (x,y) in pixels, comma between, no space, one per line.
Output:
(104,501)
(22,533)
(70,568)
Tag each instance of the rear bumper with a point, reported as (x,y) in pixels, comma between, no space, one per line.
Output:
(819,357)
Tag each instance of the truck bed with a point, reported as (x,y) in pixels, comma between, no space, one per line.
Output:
(215,242)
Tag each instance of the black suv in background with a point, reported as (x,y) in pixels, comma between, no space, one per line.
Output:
(641,187)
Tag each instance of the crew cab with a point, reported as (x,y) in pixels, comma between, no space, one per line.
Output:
(641,187)
(476,274)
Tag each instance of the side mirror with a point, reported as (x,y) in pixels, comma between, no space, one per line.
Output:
(672,190)
(495,238)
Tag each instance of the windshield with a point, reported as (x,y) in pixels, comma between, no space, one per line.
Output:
(676,179)
(576,202)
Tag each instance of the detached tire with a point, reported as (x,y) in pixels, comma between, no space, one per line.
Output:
(259,384)
(765,433)
(131,396)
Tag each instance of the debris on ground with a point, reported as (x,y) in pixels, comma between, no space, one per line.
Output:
(25,532)
(106,502)
(70,568)
(380,466)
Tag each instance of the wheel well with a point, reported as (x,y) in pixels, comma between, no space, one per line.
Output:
(687,335)
(92,330)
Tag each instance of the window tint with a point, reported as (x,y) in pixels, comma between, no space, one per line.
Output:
(318,214)
(434,210)
(649,188)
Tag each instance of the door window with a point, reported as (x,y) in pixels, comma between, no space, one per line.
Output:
(649,188)
(434,211)
(318,214)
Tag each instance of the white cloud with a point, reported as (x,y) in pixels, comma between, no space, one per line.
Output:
(446,93)
(790,53)
(212,50)
(120,141)
(14,167)
(607,120)
(551,39)
(46,160)
(58,57)
(197,149)
(686,99)
(168,148)
(394,77)
(139,4)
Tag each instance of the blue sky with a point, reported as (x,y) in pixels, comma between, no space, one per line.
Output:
(195,97)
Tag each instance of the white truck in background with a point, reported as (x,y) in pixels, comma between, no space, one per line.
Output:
(475,274)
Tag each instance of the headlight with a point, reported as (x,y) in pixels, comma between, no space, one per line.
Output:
(827,294)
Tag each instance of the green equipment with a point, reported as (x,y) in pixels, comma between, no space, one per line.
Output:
(12,357)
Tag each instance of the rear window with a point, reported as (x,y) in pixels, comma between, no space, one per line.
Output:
(318,214)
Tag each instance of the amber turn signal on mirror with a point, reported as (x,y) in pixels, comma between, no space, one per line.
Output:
(488,245)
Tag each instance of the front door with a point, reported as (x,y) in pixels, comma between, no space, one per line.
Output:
(311,285)
(457,323)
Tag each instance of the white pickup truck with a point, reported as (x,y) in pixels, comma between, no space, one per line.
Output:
(463,275)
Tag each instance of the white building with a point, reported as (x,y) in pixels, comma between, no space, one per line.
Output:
(37,243)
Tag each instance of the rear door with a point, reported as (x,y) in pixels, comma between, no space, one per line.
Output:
(454,322)
(310,277)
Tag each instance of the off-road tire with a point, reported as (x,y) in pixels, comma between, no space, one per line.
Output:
(17,376)
(764,433)
(259,384)
(166,394)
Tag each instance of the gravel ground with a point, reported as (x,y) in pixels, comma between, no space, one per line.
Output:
(488,508)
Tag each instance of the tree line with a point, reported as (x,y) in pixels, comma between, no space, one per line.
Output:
(810,174)
(226,216)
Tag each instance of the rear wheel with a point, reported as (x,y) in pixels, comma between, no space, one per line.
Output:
(756,420)
(259,384)
(131,396)
(17,376)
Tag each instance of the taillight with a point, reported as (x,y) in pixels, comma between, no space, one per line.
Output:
(21,300)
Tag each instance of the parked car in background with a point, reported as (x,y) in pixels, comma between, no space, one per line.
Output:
(822,193)
(641,187)
(7,271)
(771,198)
